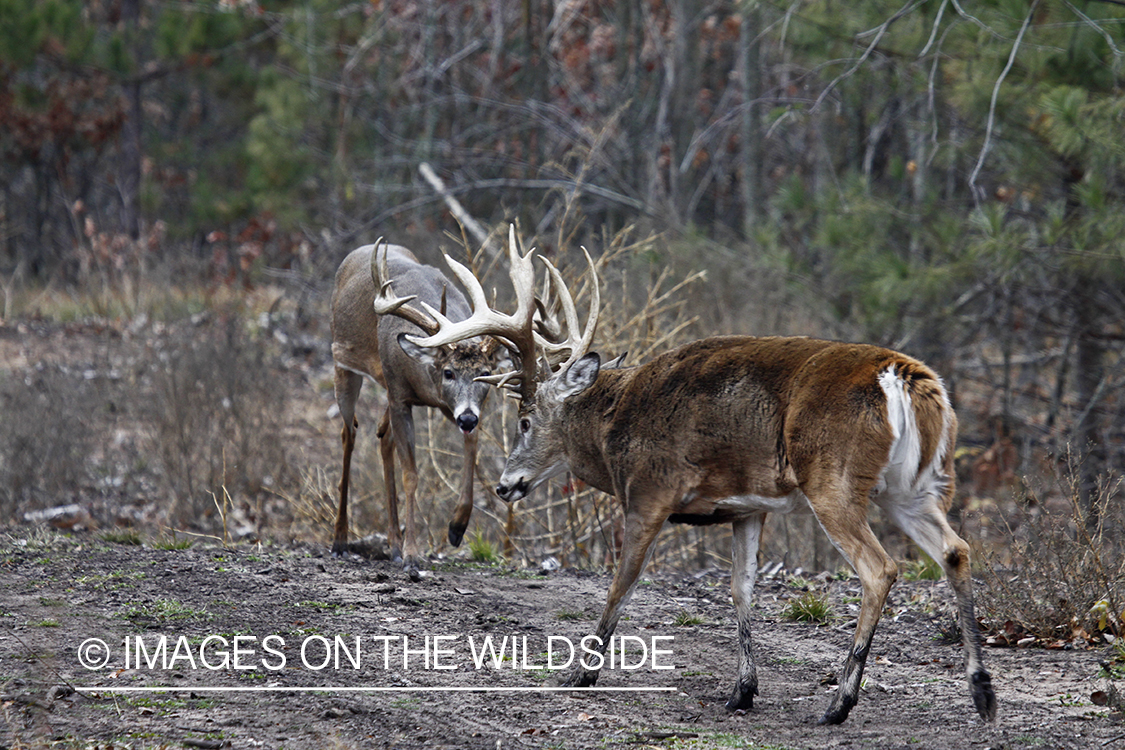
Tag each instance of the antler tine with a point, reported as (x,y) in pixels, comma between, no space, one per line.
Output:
(546,313)
(516,328)
(385,302)
(577,346)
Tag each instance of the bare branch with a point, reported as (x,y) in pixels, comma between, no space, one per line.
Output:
(878,31)
(992,105)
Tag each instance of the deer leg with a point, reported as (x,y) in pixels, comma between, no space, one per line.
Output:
(924,521)
(387,453)
(843,515)
(348,385)
(464,508)
(744,547)
(640,531)
(402,429)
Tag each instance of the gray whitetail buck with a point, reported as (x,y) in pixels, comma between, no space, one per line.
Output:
(370,339)
(726,430)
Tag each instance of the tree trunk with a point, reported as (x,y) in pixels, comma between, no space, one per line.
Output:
(129,173)
(749,62)
(1090,353)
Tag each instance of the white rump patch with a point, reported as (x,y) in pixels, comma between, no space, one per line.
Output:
(903,488)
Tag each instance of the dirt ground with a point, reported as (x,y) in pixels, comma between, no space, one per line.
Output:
(59,591)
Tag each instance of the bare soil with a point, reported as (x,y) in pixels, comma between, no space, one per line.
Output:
(58,591)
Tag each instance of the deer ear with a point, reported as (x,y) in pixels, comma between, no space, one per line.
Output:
(579,376)
(423,354)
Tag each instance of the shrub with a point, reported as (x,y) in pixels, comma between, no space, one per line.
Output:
(1065,573)
(216,415)
(44,438)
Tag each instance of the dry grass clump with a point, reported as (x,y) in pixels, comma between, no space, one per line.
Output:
(1063,578)
(45,437)
(215,414)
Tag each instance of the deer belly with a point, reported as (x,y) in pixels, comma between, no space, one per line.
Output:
(703,511)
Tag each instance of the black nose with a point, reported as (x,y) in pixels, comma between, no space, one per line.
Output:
(467,422)
(510,492)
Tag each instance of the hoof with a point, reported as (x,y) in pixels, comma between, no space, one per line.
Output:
(983,697)
(456,534)
(340,548)
(412,569)
(742,700)
(834,715)
(580,679)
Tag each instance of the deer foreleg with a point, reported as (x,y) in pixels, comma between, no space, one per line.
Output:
(640,532)
(387,453)
(402,429)
(348,385)
(744,547)
(460,520)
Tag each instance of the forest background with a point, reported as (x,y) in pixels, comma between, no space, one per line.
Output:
(179,181)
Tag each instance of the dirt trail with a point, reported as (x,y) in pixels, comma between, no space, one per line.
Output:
(58,592)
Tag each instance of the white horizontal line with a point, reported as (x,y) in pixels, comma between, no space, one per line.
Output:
(410,689)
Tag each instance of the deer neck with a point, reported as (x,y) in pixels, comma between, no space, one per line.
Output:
(584,421)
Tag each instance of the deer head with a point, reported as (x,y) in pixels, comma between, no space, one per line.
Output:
(551,368)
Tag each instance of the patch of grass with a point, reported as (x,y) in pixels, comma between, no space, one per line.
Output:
(172,542)
(685,619)
(676,738)
(483,551)
(570,614)
(809,607)
(48,623)
(130,537)
(49,602)
(923,570)
(165,610)
(798,582)
(327,606)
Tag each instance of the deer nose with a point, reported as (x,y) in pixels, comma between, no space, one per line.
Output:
(467,422)
(512,492)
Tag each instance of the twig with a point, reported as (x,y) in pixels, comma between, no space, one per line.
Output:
(464,217)
(879,31)
(992,105)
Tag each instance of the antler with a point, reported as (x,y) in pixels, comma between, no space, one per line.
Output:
(515,329)
(532,331)
(388,304)
(576,346)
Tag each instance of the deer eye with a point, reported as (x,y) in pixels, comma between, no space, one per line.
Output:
(525,424)
(485,373)
(447,374)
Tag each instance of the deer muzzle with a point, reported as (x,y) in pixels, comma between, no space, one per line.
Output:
(467,422)
(509,493)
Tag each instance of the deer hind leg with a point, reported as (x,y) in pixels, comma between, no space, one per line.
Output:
(924,521)
(348,385)
(842,513)
(744,546)
(640,531)
(387,453)
(460,520)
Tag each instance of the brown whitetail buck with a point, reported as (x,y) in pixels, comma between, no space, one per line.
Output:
(728,429)
(370,339)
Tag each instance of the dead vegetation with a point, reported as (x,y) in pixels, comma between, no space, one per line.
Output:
(208,412)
